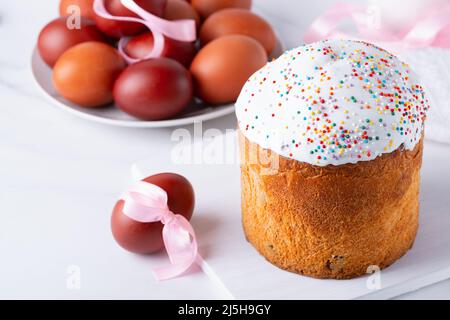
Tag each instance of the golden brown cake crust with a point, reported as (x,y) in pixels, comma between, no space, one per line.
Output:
(333,221)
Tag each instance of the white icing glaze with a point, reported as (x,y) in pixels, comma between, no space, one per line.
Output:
(333,102)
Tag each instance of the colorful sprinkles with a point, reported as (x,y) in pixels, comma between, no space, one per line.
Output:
(333,102)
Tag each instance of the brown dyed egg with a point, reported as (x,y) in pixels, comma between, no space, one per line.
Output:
(179,10)
(238,21)
(85,7)
(119,29)
(140,46)
(145,238)
(154,89)
(207,7)
(222,67)
(56,38)
(85,74)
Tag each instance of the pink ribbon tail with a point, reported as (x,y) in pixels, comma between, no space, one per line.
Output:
(180,30)
(181,246)
(145,202)
(325,26)
(422,33)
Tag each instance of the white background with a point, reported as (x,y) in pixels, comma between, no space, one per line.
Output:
(60,176)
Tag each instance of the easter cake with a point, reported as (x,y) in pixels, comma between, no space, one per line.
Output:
(331,139)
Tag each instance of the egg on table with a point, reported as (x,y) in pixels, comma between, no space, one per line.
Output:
(146,238)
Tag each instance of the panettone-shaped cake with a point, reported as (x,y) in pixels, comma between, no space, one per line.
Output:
(331,149)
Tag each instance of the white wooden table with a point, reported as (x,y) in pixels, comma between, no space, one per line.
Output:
(60,176)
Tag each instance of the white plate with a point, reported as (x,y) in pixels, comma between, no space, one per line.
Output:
(111,115)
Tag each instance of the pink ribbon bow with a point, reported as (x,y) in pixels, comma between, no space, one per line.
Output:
(145,202)
(181,30)
(423,32)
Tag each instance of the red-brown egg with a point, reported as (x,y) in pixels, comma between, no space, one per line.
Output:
(222,67)
(84,7)
(57,37)
(85,74)
(154,89)
(179,10)
(238,21)
(145,238)
(119,29)
(183,52)
(207,7)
